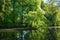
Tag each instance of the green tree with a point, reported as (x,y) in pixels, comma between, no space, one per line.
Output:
(29,13)
(51,12)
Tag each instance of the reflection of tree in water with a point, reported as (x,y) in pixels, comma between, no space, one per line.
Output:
(7,36)
(51,34)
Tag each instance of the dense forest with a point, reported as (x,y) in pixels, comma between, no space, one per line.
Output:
(29,14)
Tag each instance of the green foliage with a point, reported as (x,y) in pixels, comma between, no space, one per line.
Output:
(7,11)
(35,19)
(14,11)
(51,12)
(29,13)
(38,20)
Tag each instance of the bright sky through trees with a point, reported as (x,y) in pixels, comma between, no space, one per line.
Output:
(45,0)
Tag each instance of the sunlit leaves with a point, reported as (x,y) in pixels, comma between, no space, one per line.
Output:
(51,12)
(35,19)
